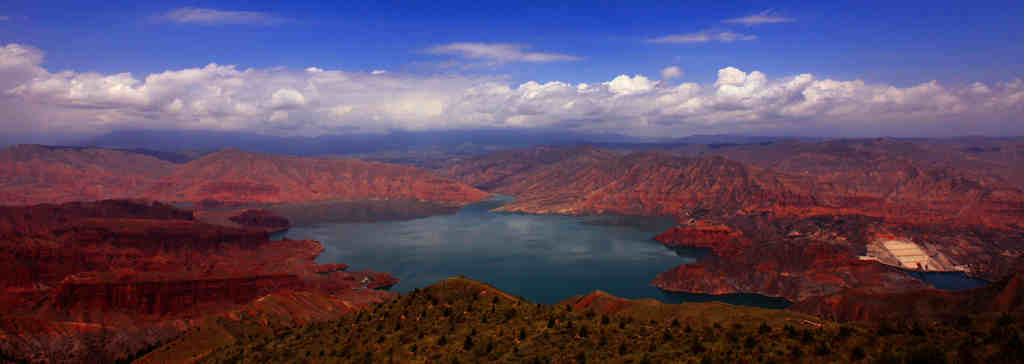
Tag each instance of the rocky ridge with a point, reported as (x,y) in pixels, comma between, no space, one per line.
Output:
(31,174)
(96,281)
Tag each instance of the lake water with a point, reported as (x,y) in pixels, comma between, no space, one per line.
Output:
(948,280)
(544,258)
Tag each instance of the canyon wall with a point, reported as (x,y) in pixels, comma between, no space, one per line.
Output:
(96,281)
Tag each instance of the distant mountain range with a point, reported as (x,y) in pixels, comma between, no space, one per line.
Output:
(467,141)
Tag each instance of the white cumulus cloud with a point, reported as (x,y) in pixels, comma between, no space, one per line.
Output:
(317,101)
(625,85)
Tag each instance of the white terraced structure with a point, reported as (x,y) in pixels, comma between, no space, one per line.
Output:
(908,254)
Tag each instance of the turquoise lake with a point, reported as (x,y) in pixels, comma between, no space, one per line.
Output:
(544,258)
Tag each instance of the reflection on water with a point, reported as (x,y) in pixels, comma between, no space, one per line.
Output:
(545,258)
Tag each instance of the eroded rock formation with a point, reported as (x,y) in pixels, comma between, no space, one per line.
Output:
(100,280)
(862,305)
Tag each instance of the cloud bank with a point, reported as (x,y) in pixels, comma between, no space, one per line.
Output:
(316,101)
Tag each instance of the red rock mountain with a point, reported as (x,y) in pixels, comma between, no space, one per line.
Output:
(920,181)
(32,174)
(587,180)
(826,179)
(237,176)
(989,158)
(36,174)
(493,171)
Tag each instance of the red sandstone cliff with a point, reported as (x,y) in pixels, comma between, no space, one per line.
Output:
(861,305)
(105,279)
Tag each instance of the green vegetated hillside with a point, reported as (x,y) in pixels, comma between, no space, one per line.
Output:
(459,320)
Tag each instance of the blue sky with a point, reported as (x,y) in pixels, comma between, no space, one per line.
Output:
(898,44)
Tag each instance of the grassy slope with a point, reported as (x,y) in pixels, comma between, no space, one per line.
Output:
(463,321)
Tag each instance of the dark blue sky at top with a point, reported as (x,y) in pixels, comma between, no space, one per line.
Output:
(895,42)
